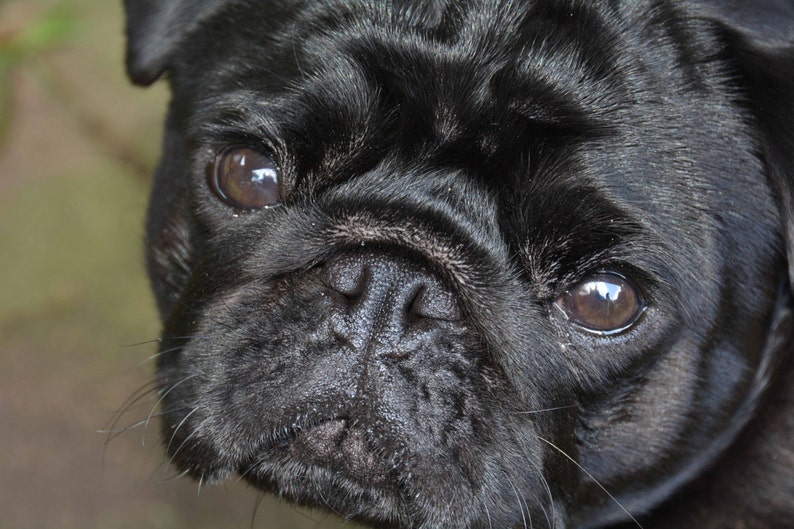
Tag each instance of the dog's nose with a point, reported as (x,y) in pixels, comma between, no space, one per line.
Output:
(389,287)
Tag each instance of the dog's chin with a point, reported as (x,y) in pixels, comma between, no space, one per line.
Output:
(334,464)
(325,454)
(330,463)
(341,466)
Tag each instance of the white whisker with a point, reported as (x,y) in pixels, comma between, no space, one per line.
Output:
(589,475)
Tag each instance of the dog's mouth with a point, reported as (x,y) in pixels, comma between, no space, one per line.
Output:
(338,449)
(343,448)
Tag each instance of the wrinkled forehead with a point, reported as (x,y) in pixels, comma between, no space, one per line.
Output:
(502,80)
(545,59)
(476,83)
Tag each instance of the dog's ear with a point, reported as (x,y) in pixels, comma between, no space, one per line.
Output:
(760,40)
(154,30)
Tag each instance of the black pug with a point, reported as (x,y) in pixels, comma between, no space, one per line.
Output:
(479,264)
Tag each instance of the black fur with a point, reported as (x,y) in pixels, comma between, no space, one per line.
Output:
(385,343)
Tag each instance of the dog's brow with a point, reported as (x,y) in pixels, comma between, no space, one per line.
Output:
(242,112)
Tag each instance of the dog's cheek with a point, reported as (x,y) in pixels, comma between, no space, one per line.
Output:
(169,245)
(169,259)
(192,407)
(227,357)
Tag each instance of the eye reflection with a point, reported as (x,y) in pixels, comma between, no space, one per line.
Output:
(605,303)
(246,178)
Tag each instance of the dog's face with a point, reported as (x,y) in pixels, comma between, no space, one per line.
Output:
(458,265)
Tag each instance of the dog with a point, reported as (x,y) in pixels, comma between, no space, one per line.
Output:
(479,264)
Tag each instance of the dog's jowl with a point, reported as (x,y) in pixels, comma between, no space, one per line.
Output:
(479,264)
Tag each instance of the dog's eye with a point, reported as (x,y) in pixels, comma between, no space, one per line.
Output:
(605,303)
(245,178)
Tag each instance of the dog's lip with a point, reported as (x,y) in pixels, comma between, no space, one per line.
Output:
(339,445)
(342,447)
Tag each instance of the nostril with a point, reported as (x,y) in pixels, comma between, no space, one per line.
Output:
(346,275)
(384,287)
(432,301)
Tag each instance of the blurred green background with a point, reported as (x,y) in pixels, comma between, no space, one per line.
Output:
(77,147)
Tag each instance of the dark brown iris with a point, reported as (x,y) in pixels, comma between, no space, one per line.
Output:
(246,178)
(605,303)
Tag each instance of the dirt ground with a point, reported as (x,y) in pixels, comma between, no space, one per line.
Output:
(77,144)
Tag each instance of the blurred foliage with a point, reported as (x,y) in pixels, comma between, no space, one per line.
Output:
(52,29)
